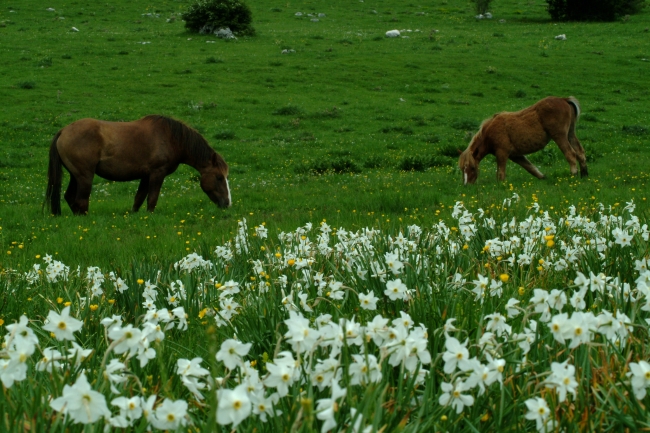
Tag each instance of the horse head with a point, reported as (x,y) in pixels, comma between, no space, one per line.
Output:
(469,166)
(214,181)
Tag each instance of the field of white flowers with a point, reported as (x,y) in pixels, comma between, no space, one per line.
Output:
(505,319)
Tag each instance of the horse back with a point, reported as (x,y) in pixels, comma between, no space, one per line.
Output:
(115,150)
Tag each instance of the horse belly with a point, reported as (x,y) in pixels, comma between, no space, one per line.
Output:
(527,136)
(119,171)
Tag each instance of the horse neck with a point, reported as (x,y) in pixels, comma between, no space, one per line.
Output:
(200,161)
(477,147)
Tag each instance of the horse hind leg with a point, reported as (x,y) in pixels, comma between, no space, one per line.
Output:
(569,153)
(141,194)
(580,154)
(71,194)
(155,183)
(84,187)
(528,166)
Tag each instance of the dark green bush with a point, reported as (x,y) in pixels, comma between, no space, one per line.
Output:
(329,165)
(207,16)
(226,134)
(423,162)
(482,6)
(289,110)
(592,10)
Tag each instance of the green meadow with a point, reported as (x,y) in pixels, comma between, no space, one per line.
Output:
(353,127)
(343,147)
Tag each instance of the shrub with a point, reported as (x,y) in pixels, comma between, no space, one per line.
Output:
(289,110)
(635,129)
(482,6)
(404,130)
(210,15)
(465,124)
(422,162)
(226,134)
(376,161)
(592,10)
(27,85)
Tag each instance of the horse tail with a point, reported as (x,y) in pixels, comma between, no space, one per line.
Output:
(54,175)
(576,106)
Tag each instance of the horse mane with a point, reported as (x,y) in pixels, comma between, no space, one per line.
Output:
(190,139)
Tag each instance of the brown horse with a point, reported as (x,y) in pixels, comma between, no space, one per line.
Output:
(147,149)
(514,135)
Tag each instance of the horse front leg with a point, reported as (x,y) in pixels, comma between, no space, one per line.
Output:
(141,194)
(502,159)
(155,183)
(528,166)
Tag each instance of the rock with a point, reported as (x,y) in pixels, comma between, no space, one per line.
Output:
(479,17)
(298,14)
(314,20)
(488,15)
(321,15)
(74,29)
(50,9)
(288,51)
(561,37)
(392,34)
(225,33)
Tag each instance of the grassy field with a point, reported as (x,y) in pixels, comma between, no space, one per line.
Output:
(355,130)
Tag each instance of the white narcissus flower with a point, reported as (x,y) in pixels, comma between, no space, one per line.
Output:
(497,323)
(480,286)
(453,394)
(19,332)
(114,374)
(231,352)
(299,334)
(368,301)
(456,355)
(50,360)
(559,326)
(640,374)
(81,403)
(538,411)
(130,408)
(125,339)
(512,309)
(234,406)
(326,408)
(563,379)
(62,325)
(395,290)
(281,373)
(364,370)
(264,406)
(393,262)
(170,415)
(324,372)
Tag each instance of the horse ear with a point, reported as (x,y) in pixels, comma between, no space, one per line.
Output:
(460,152)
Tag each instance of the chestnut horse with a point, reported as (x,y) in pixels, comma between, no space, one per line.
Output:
(147,149)
(514,135)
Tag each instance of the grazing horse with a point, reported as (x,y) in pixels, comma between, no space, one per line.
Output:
(147,149)
(514,135)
